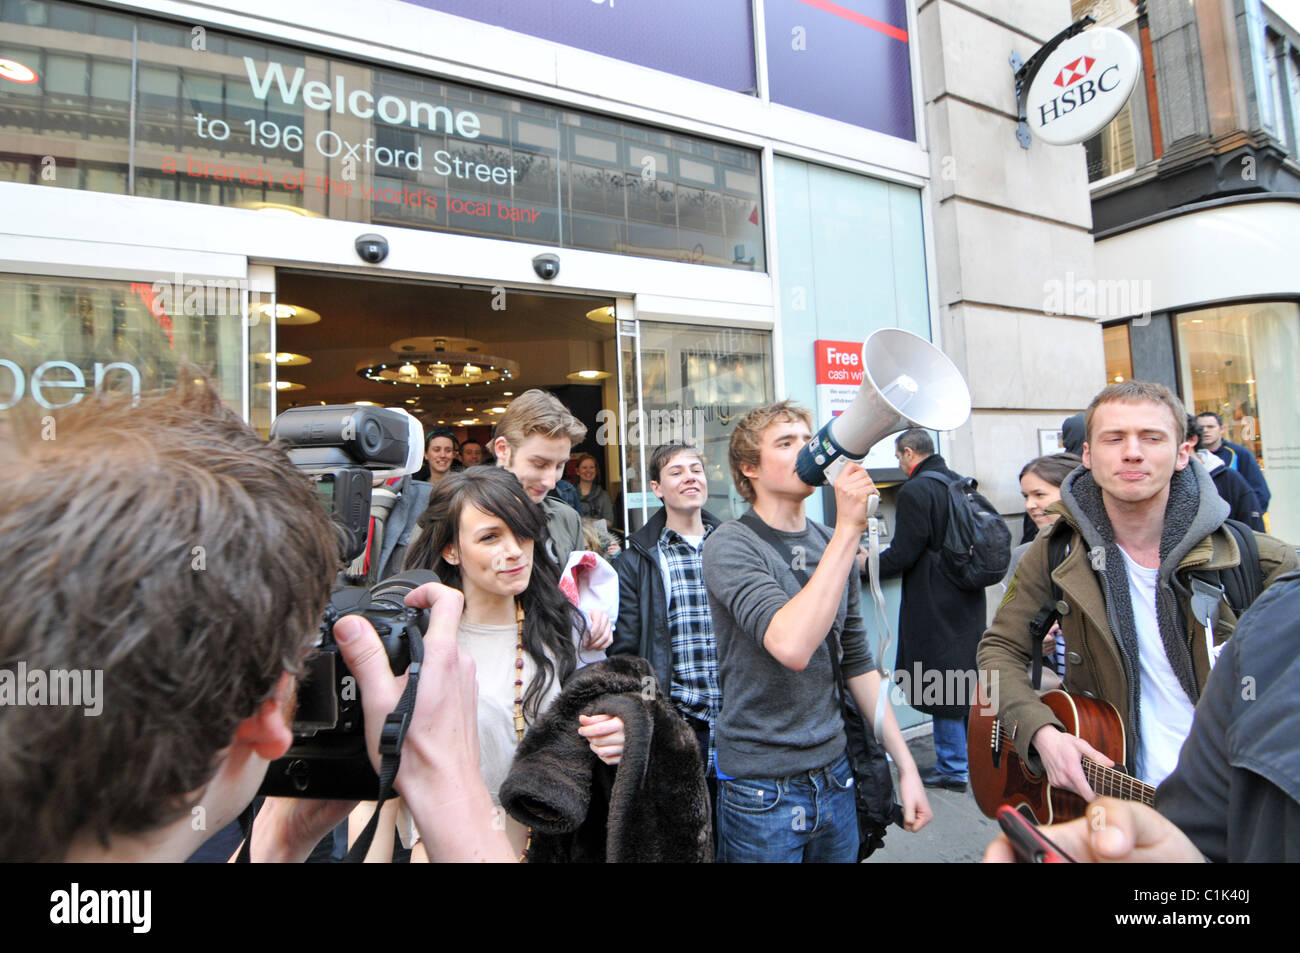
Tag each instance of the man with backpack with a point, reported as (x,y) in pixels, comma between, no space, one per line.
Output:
(942,616)
(1147,579)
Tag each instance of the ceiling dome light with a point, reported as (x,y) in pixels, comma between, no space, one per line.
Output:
(588,375)
(282,359)
(439,369)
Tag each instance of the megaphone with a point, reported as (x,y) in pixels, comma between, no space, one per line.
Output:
(907,382)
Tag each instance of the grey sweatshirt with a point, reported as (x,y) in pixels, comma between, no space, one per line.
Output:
(775,722)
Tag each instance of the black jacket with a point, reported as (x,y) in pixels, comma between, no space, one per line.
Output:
(652,807)
(1236,790)
(642,627)
(1233,487)
(939,623)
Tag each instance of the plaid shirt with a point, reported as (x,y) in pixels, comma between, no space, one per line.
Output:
(695,659)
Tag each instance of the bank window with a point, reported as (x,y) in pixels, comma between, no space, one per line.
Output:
(65,338)
(1239,361)
(1119,357)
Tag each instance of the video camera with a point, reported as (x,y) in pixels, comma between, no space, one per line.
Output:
(343,449)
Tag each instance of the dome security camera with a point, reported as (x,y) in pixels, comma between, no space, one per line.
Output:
(546,266)
(372,248)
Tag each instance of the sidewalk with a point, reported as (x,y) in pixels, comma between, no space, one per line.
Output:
(958,834)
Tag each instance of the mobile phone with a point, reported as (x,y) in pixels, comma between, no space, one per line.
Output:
(1029,843)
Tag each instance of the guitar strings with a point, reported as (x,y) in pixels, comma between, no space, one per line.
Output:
(1116,782)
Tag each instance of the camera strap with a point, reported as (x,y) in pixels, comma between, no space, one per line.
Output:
(391,738)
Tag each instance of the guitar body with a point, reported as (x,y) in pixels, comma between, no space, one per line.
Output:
(998,776)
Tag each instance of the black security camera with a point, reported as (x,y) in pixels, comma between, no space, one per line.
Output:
(372,248)
(547,266)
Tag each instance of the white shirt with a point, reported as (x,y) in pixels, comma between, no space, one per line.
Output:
(695,542)
(1165,712)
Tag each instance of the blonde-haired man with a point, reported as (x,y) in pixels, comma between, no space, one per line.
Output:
(785,785)
(1144,539)
(533,440)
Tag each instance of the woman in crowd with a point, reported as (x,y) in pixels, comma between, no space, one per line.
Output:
(480,534)
(1040,485)
(596,503)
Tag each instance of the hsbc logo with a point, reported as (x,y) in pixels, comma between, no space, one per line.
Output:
(1078,95)
(1081,85)
(1073,72)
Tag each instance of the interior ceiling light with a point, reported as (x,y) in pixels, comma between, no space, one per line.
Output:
(365,403)
(288,313)
(588,375)
(282,359)
(440,369)
(603,315)
(507,393)
(281,385)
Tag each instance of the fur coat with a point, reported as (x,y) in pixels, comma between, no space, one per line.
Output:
(651,807)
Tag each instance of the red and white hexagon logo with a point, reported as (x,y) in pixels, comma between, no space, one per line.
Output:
(16,72)
(1071,73)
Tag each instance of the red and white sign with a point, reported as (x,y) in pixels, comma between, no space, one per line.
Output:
(1082,86)
(840,372)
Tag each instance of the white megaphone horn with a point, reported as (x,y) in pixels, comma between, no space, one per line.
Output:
(907,382)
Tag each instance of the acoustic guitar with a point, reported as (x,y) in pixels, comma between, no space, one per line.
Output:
(998,776)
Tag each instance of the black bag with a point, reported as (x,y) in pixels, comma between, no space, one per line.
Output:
(976,547)
(873,784)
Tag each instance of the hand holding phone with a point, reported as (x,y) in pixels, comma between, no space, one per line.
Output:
(1029,843)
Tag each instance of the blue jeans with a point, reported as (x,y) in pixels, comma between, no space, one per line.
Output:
(950,747)
(808,818)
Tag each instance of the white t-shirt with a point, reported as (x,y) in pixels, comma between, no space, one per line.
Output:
(1165,714)
(695,542)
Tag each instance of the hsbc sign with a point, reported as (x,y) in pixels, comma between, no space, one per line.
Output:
(1081,86)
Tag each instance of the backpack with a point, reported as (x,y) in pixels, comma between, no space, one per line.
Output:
(1241,584)
(976,548)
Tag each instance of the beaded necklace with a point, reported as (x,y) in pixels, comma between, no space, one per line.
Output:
(519,698)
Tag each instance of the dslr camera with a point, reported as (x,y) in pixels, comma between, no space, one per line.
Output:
(342,450)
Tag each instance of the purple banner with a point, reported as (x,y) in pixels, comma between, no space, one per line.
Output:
(712,41)
(847,60)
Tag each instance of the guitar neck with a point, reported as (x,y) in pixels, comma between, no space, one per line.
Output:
(1111,783)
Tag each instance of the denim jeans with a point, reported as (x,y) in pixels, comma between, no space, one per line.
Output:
(808,818)
(950,747)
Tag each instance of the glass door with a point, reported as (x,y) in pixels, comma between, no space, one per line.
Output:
(687,383)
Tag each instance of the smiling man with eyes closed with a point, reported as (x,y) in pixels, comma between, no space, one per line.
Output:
(1140,521)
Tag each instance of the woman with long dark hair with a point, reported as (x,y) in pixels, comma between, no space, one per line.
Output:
(482,535)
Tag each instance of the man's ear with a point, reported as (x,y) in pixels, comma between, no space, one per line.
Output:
(654,488)
(501,448)
(748,470)
(267,731)
(1087,456)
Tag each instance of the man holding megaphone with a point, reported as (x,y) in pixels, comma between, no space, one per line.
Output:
(785,785)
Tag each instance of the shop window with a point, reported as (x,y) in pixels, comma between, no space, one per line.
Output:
(1239,361)
(65,338)
(257,126)
(1119,357)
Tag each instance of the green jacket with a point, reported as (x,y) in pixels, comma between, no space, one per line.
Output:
(1094,667)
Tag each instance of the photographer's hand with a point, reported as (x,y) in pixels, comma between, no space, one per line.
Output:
(439,774)
(288,828)
(1113,831)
